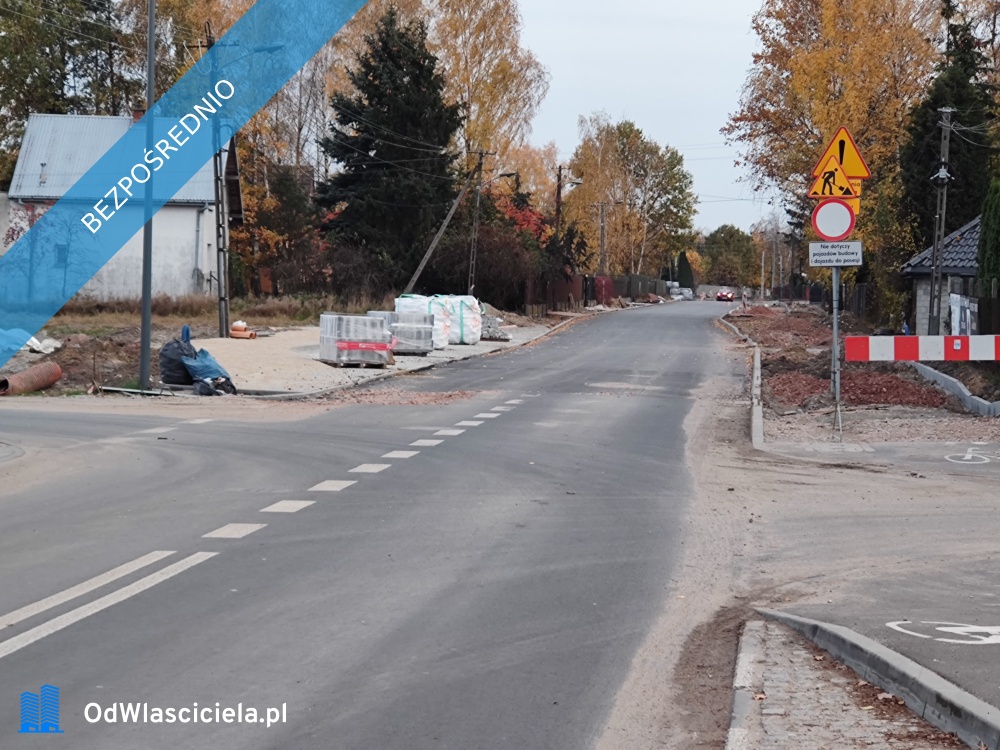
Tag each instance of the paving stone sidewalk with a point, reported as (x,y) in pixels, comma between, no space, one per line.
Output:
(814,703)
(288,361)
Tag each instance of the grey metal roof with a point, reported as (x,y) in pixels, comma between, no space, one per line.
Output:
(69,145)
(959,254)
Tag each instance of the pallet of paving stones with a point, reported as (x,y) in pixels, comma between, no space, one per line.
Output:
(413,332)
(355,340)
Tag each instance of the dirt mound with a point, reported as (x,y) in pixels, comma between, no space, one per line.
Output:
(795,388)
(866,388)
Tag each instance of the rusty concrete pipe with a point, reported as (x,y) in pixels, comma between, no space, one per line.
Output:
(35,378)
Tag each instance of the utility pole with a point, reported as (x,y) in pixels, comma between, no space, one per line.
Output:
(559,187)
(774,260)
(221,208)
(602,270)
(560,183)
(940,180)
(781,278)
(146,325)
(438,236)
(763,257)
(475,222)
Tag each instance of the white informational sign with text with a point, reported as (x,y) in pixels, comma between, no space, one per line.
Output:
(834,254)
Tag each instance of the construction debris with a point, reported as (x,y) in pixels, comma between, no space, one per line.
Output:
(35,378)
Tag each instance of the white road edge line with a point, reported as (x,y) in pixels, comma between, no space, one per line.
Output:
(155,431)
(46,629)
(80,589)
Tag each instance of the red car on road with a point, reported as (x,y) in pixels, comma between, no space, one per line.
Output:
(725,295)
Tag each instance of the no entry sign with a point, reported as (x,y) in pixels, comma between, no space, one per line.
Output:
(833,220)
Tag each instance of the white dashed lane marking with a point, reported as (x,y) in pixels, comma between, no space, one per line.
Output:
(502,408)
(369,468)
(426,443)
(332,485)
(28,637)
(401,454)
(288,506)
(486,416)
(234,531)
(449,433)
(468,424)
(515,401)
(81,588)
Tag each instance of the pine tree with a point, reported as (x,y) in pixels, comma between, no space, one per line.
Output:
(685,274)
(989,238)
(392,139)
(959,85)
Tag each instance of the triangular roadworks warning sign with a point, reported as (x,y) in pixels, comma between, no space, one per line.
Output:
(844,150)
(831,182)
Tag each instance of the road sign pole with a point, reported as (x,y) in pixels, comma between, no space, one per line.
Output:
(835,346)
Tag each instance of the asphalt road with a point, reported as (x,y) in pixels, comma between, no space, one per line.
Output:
(488,591)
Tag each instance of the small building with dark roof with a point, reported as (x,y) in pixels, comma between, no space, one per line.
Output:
(959,270)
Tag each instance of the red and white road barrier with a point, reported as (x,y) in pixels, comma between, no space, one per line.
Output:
(922,348)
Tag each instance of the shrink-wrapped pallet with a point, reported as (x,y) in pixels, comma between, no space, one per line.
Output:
(440,307)
(354,339)
(466,321)
(413,332)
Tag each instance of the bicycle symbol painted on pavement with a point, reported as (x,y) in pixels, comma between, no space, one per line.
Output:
(975,635)
(976,454)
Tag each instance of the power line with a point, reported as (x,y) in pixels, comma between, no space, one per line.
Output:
(74,32)
(392,164)
(359,118)
(440,157)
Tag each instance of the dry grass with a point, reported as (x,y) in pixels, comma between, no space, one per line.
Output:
(89,316)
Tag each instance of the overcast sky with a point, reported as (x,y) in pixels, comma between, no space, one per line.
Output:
(674,67)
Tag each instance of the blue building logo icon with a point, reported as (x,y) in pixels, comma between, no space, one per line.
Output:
(40,711)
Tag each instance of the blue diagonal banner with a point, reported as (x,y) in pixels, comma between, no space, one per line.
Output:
(159,155)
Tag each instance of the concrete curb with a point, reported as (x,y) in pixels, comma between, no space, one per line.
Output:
(926,693)
(747,681)
(757,406)
(423,368)
(972,404)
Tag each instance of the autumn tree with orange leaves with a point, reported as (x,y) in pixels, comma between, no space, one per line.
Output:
(824,64)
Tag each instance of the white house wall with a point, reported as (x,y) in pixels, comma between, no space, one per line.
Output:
(179,267)
(178,270)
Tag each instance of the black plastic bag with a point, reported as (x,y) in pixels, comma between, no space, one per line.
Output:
(172,368)
(204,388)
(225,385)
